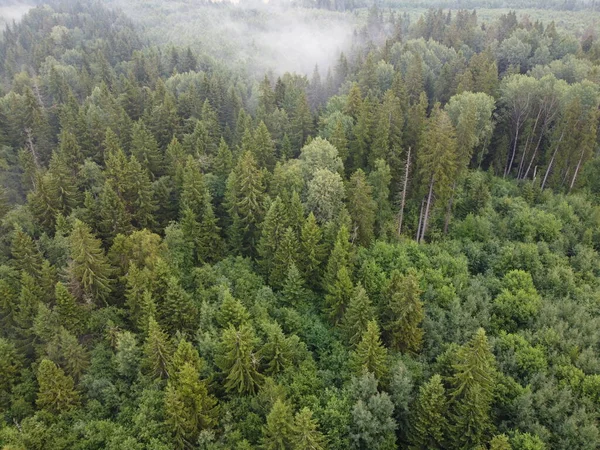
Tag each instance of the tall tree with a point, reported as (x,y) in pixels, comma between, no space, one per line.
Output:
(370,354)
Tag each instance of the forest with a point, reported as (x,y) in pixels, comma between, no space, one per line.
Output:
(216,233)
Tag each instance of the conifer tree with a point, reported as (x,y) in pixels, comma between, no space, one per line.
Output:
(177,310)
(285,255)
(56,392)
(145,149)
(277,351)
(278,432)
(306,434)
(25,254)
(263,147)
(370,354)
(338,295)
(114,217)
(232,311)
(69,313)
(358,315)
(430,422)
(312,251)
(245,199)
(272,231)
(340,256)
(238,360)
(189,408)
(157,351)
(361,207)
(210,243)
(89,269)
(472,392)
(294,291)
(404,312)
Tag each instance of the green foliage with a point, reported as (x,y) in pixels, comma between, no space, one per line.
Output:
(56,392)
(370,354)
(238,361)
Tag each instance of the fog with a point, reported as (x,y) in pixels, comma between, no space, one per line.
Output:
(258,36)
(10,11)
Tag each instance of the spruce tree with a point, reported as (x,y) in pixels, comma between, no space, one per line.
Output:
(277,351)
(294,292)
(56,392)
(305,432)
(472,392)
(362,208)
(285,255)
(358,315)
(338,295)
(189,408)
(278,432)
(157,351)
(238,361)
(404,312)
(232,311)
(25,254)
(89,270)
(312,251)
(370,354)
(263,147)
(69,313)
(145,149)
(430,424)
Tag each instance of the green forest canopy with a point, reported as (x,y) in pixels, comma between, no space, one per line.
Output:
(399,250)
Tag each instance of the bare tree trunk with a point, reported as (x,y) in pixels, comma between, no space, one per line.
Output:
(418,236)
(576,170)
(427,208)
(36,160)
(529,140)
(537,147)
(404,187)
(549,168)
(509,163)
(449,209)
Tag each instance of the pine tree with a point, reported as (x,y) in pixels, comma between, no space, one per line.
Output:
(472,392)
(430,422)
(358,315)
(338,295)
(238,361)
(312,251)
(157,351)
(210,243)
(278,432)
(370,354)
(305,432)
(361,207)
(140,195)
(56,392)
(404,312)
(89,269)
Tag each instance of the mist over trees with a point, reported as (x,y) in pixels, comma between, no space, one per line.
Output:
(212,243)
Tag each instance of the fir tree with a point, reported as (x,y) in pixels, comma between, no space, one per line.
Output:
(277,351)
(285,255)
(294,292)
(145,149)
(69,313)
